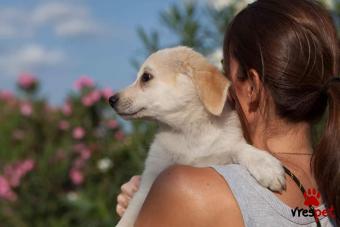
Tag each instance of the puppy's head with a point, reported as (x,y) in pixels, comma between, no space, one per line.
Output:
(171,82)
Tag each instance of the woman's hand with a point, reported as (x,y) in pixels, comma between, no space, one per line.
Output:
(127,191)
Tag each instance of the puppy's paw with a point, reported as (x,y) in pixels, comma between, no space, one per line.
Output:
(268,171)
(264,167)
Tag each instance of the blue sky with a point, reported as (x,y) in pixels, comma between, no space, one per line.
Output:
(60,40)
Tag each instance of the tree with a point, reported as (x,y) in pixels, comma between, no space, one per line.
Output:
(202,27)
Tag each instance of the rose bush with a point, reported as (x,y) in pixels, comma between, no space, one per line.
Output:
(63,166)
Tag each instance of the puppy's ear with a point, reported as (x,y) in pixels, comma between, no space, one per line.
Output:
(212,89)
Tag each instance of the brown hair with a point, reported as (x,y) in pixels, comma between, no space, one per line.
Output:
(294,47)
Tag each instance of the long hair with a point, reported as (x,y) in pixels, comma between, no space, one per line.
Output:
(293,45)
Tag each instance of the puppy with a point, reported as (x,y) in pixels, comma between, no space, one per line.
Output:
(186,95)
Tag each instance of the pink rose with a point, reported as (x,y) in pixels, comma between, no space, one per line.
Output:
(27,166)
(91,98)
(85,154)
(6,95)
(6,190)
(76,176)
(26,109)
(64,125)
(83,82)
(95,95)
(78,133)
(87,101)
(107,93)
(14,172)
(112,124)
(27,81)
(67,109)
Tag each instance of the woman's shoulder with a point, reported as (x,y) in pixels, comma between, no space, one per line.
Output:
(193,196)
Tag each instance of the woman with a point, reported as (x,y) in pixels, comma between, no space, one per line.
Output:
(282,58)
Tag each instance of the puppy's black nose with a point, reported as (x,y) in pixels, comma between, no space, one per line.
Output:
(113,100)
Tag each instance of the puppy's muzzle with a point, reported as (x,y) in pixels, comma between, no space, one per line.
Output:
(113,100)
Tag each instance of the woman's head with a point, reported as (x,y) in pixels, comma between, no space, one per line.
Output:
(279,55)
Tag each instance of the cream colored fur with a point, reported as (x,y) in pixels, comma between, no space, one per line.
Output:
(187,97)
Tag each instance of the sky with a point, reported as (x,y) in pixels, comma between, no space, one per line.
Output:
(60,40)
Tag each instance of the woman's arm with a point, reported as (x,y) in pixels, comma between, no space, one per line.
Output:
(188,196)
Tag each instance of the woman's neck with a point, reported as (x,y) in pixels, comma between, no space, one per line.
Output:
(293,138)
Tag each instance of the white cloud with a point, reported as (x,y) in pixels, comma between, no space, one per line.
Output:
(64,19)
(13,23)
(55,12)
(30,58)
(215,58)
(240,4)
(76,27)
(221,4)
(67,20)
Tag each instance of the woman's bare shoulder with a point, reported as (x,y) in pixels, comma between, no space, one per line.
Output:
(189,196)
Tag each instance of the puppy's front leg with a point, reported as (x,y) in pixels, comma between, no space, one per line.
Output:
(153,167)
(264,167)
(137,200)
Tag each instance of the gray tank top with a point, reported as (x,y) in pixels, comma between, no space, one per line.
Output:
(259,206)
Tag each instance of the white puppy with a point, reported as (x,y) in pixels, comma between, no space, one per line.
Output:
(186,95)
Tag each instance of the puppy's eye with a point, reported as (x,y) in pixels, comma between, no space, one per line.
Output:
(146,77)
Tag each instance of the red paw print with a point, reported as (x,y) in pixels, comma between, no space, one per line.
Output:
(312,197)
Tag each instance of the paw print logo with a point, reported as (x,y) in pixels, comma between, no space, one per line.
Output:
(312,197)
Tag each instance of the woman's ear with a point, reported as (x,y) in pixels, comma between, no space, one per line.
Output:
(254,89)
